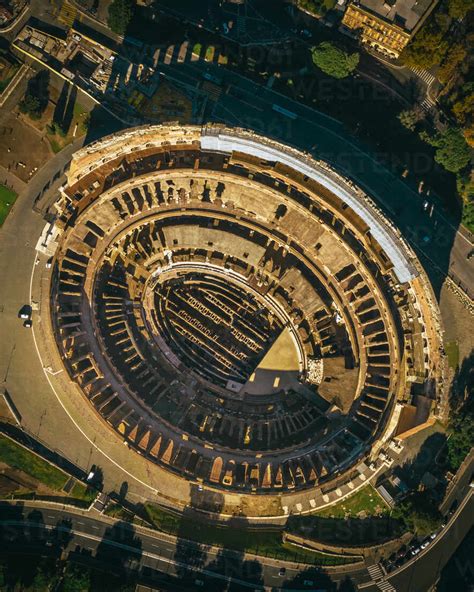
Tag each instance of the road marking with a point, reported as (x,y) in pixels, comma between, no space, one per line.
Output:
(375,572)
(67,411)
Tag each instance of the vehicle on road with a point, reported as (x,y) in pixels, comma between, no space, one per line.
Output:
(25,312)
(282,571)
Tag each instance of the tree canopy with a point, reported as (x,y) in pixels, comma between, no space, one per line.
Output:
(318,7)
(36,96)
(334,61)
(120,15)
(410,117)
(419,514)
(459,8)
(452,151)
(427,48)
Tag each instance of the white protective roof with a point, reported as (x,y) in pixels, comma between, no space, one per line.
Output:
(391,243)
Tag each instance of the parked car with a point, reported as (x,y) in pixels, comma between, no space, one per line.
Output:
(28,323)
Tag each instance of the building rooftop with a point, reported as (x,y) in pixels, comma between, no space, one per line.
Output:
(404,13)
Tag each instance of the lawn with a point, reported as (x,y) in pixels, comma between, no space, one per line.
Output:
(82,492)
(259,542)
(119,513)
(19,458)
(468,215)
(7,199)
(452,351)
(59,140)
(365,500)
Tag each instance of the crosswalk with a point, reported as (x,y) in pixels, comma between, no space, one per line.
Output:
(67,14)
(427,104)
(386,587)
(426,76)
(375,572)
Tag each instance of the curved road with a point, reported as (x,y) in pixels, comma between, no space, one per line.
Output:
(30,524)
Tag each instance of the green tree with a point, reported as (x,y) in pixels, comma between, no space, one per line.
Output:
(450,65)
(452,151)
(461,399)
(461,439)
(334,61)
(427,48)
(36,96)
(120,15)
(31,106)
(76,579)
(418,512)
(317,7)
(410,117)
(459,8)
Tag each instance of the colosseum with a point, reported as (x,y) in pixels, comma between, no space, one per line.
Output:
(237,312)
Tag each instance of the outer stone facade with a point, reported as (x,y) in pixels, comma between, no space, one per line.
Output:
(236,312)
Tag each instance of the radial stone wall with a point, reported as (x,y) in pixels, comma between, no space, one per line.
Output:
(235,311)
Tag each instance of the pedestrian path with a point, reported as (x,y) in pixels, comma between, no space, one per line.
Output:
(375,571)
(426,76)
(427,104)
(386,587)
(67,14)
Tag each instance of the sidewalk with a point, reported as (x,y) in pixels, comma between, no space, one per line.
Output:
(8,179)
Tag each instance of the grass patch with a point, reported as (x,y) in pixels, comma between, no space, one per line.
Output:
(19,458)
(116,511)
(452,351)
(82,492)
(365,500)
(259,542)
(55,146)
(7,199)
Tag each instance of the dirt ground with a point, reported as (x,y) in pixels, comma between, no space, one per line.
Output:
(252,505)
(21,143)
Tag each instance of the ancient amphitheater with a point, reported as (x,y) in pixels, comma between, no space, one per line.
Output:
(235,311)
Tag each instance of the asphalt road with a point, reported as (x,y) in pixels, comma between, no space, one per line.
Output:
(32,527)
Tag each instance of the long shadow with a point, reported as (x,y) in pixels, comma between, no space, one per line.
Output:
(32,443)
(461,397)
(427,468)
(311,578)
(345,532)
(29,553)
(458,573)
(60,108)
(118,556)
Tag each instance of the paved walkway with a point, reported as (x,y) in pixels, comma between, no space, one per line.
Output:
(10,180)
